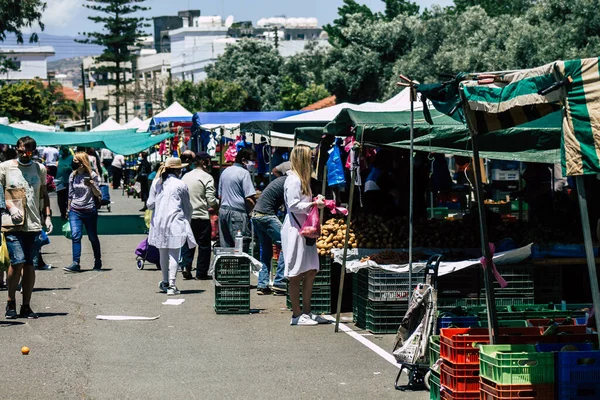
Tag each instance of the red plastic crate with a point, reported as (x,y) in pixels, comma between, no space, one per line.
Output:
(459,345)
(446,394)
(493,391)
(460,377)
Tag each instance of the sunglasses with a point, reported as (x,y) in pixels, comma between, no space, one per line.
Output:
(25,152)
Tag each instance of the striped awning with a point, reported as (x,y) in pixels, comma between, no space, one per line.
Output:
(502,100)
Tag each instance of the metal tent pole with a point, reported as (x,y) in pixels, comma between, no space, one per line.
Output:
(589,249)
(411,190)
(485,248)
(343,272)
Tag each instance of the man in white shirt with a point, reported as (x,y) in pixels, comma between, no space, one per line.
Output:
(106,158)
(203,196)
(50,156)
(117,170)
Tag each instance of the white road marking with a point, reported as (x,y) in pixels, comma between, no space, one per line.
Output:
(378,350)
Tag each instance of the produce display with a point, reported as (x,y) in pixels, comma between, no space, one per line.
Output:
(333,234)
(389,257)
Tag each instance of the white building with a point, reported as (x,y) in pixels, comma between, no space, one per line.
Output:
(153,75)
(31,62)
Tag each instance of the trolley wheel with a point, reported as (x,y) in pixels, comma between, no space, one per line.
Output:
(426,380)
(416,378)
(140,264)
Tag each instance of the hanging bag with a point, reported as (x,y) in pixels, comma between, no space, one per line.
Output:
(4,256)
(66,230)
(335,168)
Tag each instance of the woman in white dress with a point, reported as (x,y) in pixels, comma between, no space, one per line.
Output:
(170,225)
(301,258)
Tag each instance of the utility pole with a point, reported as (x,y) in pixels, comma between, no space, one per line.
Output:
(85,120)
(276,28)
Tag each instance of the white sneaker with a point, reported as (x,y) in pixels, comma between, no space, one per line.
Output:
(303,320)
(162,286)
(319,319)
(173,291)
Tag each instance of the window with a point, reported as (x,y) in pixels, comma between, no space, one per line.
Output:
(17,65)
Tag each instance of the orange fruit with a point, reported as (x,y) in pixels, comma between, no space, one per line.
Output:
(25,350)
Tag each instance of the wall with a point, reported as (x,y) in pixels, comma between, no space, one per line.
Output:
(32,66)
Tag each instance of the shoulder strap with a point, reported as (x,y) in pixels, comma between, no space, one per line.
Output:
(295,219)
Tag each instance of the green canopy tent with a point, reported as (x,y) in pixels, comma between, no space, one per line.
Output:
(125,142)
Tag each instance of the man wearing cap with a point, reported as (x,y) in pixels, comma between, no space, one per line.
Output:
(237,195)
(203,196)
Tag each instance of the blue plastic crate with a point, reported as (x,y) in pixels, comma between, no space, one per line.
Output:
(556,347)
(457,322)
(578,375)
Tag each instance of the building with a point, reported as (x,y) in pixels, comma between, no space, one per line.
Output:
(162,26)
(153,75)
(31,62)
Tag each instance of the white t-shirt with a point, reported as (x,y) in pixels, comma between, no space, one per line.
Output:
(106,154)
(31,178)
(118,161)
(50,155)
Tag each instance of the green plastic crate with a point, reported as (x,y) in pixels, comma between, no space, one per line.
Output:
(515,365)
(434,386)
(323,277)
(517,323)
(232,299)
(378,316)
(231,270)
(434,349)
(320,301)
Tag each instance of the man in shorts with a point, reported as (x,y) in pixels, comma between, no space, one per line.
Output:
(22,236)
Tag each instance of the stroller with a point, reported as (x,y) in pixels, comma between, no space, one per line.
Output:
(147,253)
(411,347)
(105,200)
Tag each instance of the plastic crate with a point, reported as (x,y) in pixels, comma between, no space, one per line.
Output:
(384,317)
(516,365)
(506,324)
(493,391)
(456,344)
(548,322)
(380,285)
(556,347)
(578,374)
(232,271)
(447,394)
(434,386)
(457,322)
(434,349)
(323,277)
(232,299)
(320,301)
(460,378)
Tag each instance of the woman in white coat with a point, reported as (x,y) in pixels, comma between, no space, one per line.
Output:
(301,257)
(170,227)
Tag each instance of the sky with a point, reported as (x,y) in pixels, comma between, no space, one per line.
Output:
(68,17)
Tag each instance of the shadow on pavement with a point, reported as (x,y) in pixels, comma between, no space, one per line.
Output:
(50,314)
(50,289)
(195,291)
(9,323)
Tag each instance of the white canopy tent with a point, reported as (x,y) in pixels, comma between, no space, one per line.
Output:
(133,124)
(174,113)
(32,126)
(109,125)
(145,125)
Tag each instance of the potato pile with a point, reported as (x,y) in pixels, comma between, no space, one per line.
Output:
(333,234)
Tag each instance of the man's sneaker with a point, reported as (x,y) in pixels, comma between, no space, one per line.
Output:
(27,312)
(97,265)
(11,310)
(44,267)
(263,291)
(319,319)
(303,320)
(162,286)
(173,291)
(73,268)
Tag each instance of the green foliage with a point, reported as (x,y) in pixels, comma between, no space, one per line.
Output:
(28,101)
(121,29)
(296,97)
(350,9)
(495,8)
(14,16)
(394,8)
(208,95)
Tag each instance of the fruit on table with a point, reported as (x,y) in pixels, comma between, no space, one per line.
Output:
(333,235)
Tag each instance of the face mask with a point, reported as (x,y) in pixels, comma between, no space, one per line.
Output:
(25,161)
(75,166)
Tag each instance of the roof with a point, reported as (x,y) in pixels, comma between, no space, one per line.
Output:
(174,113)
(323,103)
(134,123)
(109,125)
(27,50)
(72,94)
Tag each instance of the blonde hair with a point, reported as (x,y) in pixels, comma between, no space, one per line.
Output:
(301,159)
(82,158)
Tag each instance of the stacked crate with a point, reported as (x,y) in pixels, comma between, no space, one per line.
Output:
(578,375)
(381,298)
(321,302)
(232,285)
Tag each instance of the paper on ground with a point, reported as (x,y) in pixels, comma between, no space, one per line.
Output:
(174,302)
(125,318)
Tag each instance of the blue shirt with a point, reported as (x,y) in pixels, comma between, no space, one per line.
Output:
(235,186)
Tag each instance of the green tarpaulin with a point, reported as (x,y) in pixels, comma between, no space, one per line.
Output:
(125,142)
(536,141)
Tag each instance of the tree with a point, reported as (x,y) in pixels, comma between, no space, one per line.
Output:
(14,16)
(208,95)
(296,97)
(350,8)
(120,32)
(495,8)
(253,65)
(394,8)
(28,101)
(307,67)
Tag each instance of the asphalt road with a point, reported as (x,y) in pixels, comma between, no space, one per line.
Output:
(187,353)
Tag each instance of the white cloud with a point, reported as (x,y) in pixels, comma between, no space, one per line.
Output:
(59,13)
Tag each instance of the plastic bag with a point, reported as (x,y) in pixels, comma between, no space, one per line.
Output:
(66,230)
(335,169)
(44,239)
(312,226)
(4,256)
